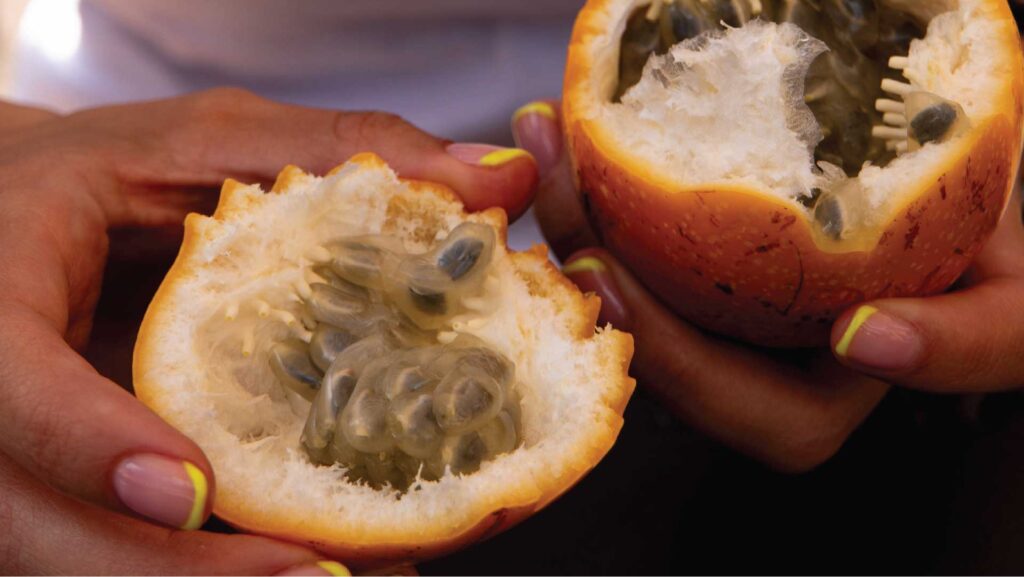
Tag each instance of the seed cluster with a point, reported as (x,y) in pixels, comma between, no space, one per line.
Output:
(842,85)
(390,401)
(924,118)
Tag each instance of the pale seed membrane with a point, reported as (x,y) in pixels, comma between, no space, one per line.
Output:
(842,84)
(391,403)
(864,111)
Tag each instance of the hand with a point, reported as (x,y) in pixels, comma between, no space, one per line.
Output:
(93,481)
(792,410)
(966,341)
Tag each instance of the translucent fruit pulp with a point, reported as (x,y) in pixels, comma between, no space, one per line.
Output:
(842,84)
(390,403)
(844,88)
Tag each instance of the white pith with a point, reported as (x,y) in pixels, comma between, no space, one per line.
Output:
(736,132)
(208,367)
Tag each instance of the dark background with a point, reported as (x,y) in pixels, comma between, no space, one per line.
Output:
(929,484)
(920,488)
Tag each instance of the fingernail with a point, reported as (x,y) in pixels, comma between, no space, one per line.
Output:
(590,274)
(320,568)
(879,341)
(485,154)
(171,491)
(535,128)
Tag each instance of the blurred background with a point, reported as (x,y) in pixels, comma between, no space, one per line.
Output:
(929,484)
(10,17)
(456,68)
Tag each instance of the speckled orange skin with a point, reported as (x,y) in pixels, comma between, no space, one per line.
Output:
(740,263)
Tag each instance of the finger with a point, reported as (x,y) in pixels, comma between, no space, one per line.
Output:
(559,206)
(86,436)
(59,419)
(209,136)
(45,532)
(791,416)
(16,116)
(1001,256)
(967,341)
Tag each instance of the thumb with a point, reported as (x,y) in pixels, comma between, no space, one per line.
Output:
(967,341)
(60,419)
(964,341)
(86,436)
(201,139)
(59,535)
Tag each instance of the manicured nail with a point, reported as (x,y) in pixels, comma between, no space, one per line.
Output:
(535,128)
(171,491)
(590,274)
(879,341)
(485,154)
(320,568)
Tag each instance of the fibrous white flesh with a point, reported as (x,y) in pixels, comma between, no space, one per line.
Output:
(725,118)
(393,398)
(717,99)
(231,404)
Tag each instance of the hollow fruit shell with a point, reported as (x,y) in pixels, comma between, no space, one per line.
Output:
(742,263)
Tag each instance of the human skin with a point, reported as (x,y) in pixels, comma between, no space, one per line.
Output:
(792,410)
(95,483)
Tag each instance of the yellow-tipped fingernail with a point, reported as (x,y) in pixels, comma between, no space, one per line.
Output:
(169,490)
(585,264)
(503,156)
(541,108)
(201,488)
(334,568)
(859,318)
(485,154)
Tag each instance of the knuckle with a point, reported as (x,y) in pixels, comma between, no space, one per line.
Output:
(376,122)
(810,442)
(10,546)
(47,444)
(42,441)
(807,452)
(361,129)
(185,141)
(977,367)
(970,358)
(224,98)
(217,106)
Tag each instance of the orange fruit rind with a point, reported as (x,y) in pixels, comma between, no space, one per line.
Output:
(201,363)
